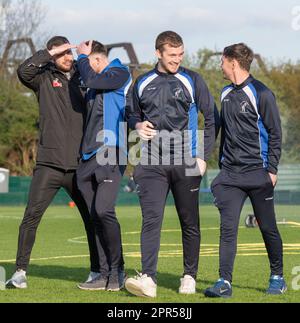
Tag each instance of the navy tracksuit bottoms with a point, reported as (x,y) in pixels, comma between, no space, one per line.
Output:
(231,191)
(99,186)
(153,186)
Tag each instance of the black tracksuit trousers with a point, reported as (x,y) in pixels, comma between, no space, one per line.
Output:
(231,191)
(46,183)
(154,184)
(100,187)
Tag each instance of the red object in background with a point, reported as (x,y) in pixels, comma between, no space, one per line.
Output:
(72,205)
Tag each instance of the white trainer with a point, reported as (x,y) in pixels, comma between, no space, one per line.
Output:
(188,285)
(141,286)
(18,280)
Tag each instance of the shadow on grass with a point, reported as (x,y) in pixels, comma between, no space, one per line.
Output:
(211,283)
(172,282)
(78,274)
(51,272)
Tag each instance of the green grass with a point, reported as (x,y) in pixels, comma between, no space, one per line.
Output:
(54,280)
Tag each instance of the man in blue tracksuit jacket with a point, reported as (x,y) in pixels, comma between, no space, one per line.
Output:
(166,102)
(249,157)
(105,140)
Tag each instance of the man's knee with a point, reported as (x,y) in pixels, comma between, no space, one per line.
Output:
(80,185)
(229,233)
(269,231)
(32,217)
(105,216)
(191,231)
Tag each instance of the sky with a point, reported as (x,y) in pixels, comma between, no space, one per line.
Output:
(271,28)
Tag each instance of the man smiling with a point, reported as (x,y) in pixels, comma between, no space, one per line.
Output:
(249,158)
(168,99)
(52,75)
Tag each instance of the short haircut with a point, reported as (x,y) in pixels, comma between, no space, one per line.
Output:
(98,48)
(168,38)
(57,41)
(242,53)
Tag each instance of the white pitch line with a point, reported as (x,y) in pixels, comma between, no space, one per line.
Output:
(294,223)
(162,255)
(165,254)
(6,217)
(49,258)
(173,231)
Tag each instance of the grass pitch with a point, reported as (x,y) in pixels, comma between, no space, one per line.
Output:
(60,257)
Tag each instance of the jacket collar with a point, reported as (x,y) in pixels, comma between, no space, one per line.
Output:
(166,74)
(249,80)
(115,63)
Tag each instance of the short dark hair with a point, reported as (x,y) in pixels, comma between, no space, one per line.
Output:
(57,41)
(242,53)
(168,38)
(98,48)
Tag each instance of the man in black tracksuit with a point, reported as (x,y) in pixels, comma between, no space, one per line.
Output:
(249,158)
(105,140)
(167,101)
(52,75)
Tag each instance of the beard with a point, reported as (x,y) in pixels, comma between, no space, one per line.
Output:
(64,67)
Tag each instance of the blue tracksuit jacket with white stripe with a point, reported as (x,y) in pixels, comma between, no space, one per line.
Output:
(251,128)
(106,102)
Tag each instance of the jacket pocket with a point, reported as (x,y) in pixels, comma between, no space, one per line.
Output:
(48,136)
(106,173)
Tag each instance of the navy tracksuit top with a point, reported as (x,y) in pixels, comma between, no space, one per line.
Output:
(106,101)
(251,128)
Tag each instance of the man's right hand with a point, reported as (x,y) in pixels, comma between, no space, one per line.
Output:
(146,130)
(61,49)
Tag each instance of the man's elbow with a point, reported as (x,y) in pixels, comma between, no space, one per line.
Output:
(22,75)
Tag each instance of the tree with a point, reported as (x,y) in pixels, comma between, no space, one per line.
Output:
(19,19)
(18,108)
(287,78)
(18,131)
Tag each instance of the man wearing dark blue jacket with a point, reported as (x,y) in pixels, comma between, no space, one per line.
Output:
(249,158)
(103,150)
(164,107)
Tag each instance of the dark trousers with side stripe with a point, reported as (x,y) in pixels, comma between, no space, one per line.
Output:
(154,184)
(231,191)
(100,186)
(46,183)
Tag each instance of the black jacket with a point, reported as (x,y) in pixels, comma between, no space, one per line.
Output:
(172,102)
(251,128)
(62,108)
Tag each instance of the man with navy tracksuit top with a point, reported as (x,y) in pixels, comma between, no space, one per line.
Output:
(170,98)
(249,158)
(101,171)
